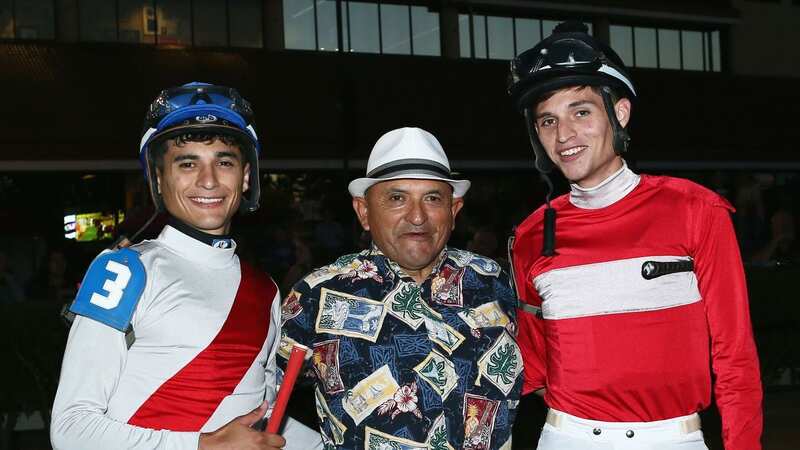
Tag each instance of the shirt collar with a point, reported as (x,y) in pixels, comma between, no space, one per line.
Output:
(214,240)
(611,190)
(196,251)
(374,251)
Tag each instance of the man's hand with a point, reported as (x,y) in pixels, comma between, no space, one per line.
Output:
(238,435)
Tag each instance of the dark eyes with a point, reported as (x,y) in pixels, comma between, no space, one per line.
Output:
(192,164)
(428,198)
(547,122)
(550,121)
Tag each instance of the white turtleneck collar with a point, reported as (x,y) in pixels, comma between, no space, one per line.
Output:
(196,251)
(612,189)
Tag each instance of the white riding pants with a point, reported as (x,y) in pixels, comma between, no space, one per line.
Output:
(563,431)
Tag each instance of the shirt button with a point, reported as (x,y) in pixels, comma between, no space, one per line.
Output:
(629,433)
(597,431)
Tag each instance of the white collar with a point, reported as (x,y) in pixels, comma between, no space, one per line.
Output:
(196,251)
(612,189)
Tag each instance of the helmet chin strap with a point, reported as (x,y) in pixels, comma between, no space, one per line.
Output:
(549,233)
(249,202)
(544,165)
(620,135)
(151,176)
(541,160)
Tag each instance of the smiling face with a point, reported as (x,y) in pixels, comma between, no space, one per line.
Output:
(410,221)
(201,183)
(575,131)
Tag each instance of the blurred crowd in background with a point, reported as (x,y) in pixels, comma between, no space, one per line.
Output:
(306,221)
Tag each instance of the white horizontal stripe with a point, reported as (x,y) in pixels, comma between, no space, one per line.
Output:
(613,287)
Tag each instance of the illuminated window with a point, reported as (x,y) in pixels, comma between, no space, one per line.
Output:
(299,29)
(692,50)
(501,32)
(714,50)
(667,48)
(395,29)
(364,25)
(328,36)
(528,33)
(367,27)
(497,37)
(645,43)
(479,36)
(425,32)
(622,42)
(464,36)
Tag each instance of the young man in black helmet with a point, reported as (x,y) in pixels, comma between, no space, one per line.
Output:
(173,345)
(637,278)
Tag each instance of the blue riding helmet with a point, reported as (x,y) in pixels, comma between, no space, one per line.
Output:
(201,107)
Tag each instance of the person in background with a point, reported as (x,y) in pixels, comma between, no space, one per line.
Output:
(10,290)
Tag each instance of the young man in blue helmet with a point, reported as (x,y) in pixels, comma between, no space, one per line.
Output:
(173,344)
(639,286)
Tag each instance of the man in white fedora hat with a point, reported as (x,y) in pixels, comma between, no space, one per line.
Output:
(414,342)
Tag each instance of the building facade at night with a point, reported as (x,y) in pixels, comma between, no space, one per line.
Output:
(327,77)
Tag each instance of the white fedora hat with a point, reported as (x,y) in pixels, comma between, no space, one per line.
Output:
(407,153)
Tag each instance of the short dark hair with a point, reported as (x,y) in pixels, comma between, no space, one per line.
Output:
(160,148)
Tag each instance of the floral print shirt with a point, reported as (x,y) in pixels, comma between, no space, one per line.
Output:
(400,365)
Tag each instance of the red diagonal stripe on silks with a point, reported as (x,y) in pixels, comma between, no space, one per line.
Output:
(186,401)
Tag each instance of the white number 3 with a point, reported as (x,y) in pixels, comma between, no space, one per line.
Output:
(113,287)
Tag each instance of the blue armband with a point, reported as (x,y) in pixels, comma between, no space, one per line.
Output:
(111,288)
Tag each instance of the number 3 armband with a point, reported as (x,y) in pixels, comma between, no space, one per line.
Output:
(111,288)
